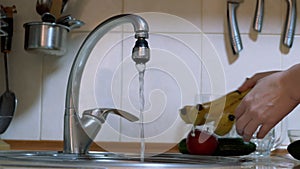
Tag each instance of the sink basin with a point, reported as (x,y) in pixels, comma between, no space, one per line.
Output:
(51,159)
(106,160)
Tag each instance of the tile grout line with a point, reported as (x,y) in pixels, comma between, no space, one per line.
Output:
(201,48)
(122,74)
(281,54)
(41,98)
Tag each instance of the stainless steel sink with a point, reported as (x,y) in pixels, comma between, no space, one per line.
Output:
(106,160)
(50,159)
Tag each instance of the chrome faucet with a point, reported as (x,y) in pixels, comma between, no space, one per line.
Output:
(80,132)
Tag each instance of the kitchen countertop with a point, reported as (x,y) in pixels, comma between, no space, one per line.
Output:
(54,145)
(278,159)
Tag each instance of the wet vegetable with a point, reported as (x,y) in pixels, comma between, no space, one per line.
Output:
(225,147)
(182,147)
(201,143)
(234,147)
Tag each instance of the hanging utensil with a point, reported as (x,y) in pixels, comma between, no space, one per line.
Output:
(73,24)
(259,15)
(43,6)
(56,7)
(234,33)
(7,102)
(8,98)
(70,22)
(48,17)
(2,23)
(290,24)
(64,19)
(64,5)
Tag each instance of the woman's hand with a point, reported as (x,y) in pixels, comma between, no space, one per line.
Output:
(271,98)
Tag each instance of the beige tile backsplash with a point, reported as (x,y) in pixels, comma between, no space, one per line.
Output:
(183,36)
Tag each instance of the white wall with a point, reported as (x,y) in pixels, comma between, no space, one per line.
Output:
(183,35)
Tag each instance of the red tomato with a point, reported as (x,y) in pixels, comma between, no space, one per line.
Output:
(201,143)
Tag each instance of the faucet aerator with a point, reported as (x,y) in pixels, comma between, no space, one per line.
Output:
(141,51)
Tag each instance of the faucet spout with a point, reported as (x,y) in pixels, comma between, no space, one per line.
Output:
(76,138)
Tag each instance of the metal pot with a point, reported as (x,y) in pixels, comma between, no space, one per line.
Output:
(45,38)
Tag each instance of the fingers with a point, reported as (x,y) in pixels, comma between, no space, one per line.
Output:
(246,126)
(240,122)
(263,131)
(248,83)
(239,111)
(249,130)
(242,119)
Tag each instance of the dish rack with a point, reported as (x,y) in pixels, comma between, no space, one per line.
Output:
(2,23)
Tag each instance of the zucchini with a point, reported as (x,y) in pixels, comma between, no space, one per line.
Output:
(234,147)
(182,147)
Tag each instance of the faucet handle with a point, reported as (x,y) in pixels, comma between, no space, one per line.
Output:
(101,114)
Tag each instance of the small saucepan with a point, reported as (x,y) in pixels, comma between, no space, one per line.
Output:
(46,38)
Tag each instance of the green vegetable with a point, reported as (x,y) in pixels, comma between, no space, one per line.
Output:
(234,147)
(182,147)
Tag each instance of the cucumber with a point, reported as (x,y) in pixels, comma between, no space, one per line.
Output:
(182,147)
(234,147)
(294,149)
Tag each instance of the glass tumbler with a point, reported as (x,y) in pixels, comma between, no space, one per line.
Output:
(271,141)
